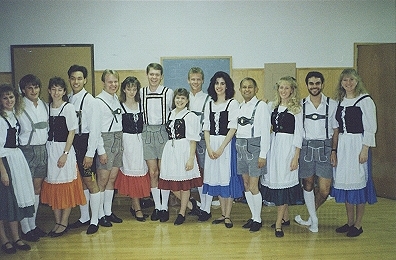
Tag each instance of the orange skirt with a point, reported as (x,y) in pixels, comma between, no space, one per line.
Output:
(133,186)
(63,195)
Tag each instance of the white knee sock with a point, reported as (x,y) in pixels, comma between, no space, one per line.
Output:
(208,203)
(32,220)
(164,199)
(250,202)
(101,212)
(25,225)
(94,205)
(201,197)
(84,209)
(258,204)
(309,198)
(108,202)
(156,193)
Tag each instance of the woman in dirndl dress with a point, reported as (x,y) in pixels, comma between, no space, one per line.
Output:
(179,167)
(133,179)
(353,184)
(220,123)
(16,185)
(281,181)
(62,188)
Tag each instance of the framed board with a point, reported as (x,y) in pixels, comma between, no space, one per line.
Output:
(50,60)
(176,69)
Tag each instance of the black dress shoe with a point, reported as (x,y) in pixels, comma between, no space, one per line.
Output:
(179,220)
(218,221)
(156,215)
(113,218)
(279,232)
(92,229)
(205,216)
(195,211)
(104,222)
(8,250)
(24,247)
(164,216)
(345,228)
(39,232)
(354,232)
(255,226)
(248,224)
(30,236)
(79,224)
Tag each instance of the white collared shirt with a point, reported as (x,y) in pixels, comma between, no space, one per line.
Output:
(90,118)
(316,129)
(261,124)
(37,114)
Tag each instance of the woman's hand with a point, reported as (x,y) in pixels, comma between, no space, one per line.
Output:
(190,164)
(4,178)
(62,160)
(363,156)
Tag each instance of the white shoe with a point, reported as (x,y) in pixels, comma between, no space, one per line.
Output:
(300,221)
(314,226)
(215,203)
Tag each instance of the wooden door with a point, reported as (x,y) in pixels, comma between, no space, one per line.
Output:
(376,65)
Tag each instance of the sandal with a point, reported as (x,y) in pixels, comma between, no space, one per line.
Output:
(58,234)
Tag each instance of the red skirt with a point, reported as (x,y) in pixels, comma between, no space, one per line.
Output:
(63,195)
(179,185)
(133,186)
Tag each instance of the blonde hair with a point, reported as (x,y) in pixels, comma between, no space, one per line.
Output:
(293,105)
(19,105)
(359,89)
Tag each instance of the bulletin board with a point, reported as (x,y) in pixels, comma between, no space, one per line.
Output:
(176,69)
(50,60)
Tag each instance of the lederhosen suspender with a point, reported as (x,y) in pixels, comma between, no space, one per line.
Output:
(161,96)
(113,112)
(79,115)
(33,125)
(317,116)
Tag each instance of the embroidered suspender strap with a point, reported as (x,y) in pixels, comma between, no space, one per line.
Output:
(327,117)
(79,115)
(161,96)
(116,112)
(366,96)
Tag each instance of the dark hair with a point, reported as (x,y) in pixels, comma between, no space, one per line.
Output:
(315,74)
(75,68)
(29,79)
(130,82)
(18,107)
(59,82)
(155,66)
(250,79)
(229,91)
(181,92)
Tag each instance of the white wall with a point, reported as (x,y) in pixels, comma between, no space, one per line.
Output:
(131,34)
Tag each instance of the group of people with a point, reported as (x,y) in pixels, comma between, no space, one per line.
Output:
(78,149)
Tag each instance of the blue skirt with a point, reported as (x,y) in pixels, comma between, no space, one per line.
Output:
(235,188)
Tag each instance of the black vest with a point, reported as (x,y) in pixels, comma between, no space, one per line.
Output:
(353,118)
(58,131)
(282,122)
(179,126)
(11,140)
(132,123)
(223,120)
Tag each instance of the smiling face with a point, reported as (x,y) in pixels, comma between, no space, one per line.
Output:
(154,77)
(32,92)
(314,86)
(349,83)
(248,90)
(195,81)
(220,86)
(110,84)
(8,101)
(77,81)
(181,102)
(285,90)
(56,92)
